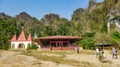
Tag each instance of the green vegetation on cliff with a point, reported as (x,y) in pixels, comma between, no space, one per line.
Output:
(91,20)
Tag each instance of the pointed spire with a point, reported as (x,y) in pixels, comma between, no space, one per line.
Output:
(21,37)
(14,38)
(29,38)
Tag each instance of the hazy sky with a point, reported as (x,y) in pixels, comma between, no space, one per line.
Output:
(38,8)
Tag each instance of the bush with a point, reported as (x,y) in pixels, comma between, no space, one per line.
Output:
(115,38)
(31,47)
(5,47)
(87,43)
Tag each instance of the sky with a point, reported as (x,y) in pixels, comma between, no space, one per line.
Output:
(39,8)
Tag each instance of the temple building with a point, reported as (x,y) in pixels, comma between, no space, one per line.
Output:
(21,41)
(58,42)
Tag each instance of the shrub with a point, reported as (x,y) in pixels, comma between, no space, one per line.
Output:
(87,43)
(31,47)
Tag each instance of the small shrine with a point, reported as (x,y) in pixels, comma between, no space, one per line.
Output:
(21,41)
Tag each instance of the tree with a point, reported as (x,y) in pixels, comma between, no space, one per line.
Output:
(87,42)
(7,29)
(116,38)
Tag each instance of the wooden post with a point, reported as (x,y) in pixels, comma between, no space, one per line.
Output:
(77,49)
(69,43)
(61,44)
(50,45)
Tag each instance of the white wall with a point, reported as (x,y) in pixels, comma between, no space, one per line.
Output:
(16,44)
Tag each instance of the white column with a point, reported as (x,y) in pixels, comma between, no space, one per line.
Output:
(16,45)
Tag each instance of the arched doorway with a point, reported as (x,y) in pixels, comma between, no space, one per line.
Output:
(21,45)
(13,45)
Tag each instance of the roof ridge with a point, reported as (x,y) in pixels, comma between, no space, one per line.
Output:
(21,37)
(29,37)
(14,38)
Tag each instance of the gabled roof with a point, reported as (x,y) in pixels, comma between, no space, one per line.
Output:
(14,38)
(29,38)
(21,37)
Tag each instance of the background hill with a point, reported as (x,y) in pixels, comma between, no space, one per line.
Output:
(90,23)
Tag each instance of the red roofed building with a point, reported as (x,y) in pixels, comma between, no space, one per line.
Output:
(21,41)
(58,42)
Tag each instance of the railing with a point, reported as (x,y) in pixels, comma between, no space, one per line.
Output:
(66,48)
(45,47)
(59,48)
(55,48)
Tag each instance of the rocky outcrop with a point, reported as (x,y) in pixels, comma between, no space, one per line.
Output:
(91,3)
(114,18)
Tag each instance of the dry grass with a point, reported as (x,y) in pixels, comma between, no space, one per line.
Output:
(90,52)
(86,58)
(58,59)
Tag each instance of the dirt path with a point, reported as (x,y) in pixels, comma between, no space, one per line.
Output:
(15,59)
(94,60)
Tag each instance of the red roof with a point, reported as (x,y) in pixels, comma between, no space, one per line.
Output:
(14,38)
(60,37)
(22,37)
(29,38)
